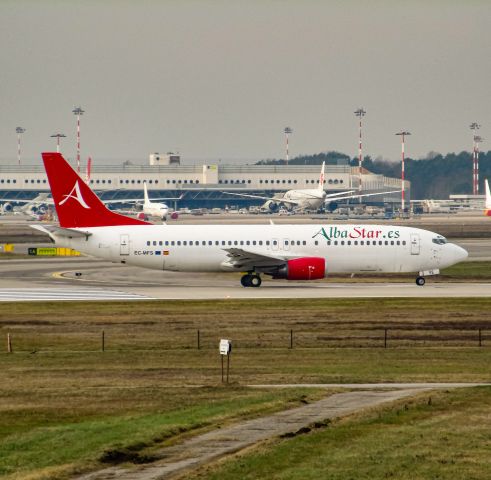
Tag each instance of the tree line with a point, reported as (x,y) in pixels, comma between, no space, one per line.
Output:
(436,176)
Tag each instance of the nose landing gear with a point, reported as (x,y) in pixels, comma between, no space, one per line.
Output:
(251,280)
(420,281)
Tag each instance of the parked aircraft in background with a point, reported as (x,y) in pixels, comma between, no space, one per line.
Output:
(487,207)
(35,206)
(293,252)
(308,198)
(149,208)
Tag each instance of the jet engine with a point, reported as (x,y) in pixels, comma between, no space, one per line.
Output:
(7,208)
(306,268)
(272,206)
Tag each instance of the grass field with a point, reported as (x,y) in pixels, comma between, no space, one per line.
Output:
(444,435)
(64,402)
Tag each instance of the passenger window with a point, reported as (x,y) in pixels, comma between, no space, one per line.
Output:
(335,242)
(248,242)
(349,242)
(236,242)
(254,242)
(190,243)
(154,243)
(172,243)
(316,242)
(167,243)
(304,242)
(230,242)
(148,243)
(267,242)
(386,242)
(179,243)
(160,242)
(392,242)
(242,242)
(342,242)
(184,243)
(404,242)
(398,242)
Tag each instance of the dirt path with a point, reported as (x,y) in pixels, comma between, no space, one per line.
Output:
(205,448)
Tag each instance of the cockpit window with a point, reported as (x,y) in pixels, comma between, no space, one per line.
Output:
(439,240)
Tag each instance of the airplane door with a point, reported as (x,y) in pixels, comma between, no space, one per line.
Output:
(286,244)
(415,244)
(274,244)
(124,244)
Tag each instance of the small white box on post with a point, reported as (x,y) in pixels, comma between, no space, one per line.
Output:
(225,349)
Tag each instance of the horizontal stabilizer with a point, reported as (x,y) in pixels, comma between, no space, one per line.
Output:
(61,232)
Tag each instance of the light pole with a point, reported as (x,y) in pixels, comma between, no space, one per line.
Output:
(78,112)
(477,139)
(403,135)
(287,132)
(19,131)
(474,126)
(58,136)
(360,113)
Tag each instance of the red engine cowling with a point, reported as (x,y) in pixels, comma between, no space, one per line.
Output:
(307,268)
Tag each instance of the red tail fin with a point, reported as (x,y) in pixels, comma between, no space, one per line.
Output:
(76,204)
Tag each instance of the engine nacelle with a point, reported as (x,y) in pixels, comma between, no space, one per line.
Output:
(306,268)
(7,207)
(272,206)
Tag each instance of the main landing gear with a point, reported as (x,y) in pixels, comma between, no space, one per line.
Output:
(420,281)
(251,280)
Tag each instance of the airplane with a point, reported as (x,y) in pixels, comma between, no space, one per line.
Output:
(487,206)
(35,206)
(151,209)
(293,252)
(308,198)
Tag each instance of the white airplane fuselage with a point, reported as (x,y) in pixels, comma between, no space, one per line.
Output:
(205,248)
(154,209)
(312,199)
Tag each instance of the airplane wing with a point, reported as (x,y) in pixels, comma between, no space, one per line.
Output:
(34,201)
(275,199)
(363,195)
(139,200)
(240,259)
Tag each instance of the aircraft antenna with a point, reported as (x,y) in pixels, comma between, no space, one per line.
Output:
(360,113)
(403,135)
(58,136)
(78,112)
(474,126)
(19,131)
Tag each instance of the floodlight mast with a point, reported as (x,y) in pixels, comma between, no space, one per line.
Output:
(474,126)
(78,112)
(58,136)
(19,131)
(403,135)
(287,132)
(360,113)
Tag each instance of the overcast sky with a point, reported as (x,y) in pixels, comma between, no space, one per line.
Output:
(222,79)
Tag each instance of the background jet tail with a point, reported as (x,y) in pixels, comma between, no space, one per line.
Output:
(76,204)
(146,200)
(487,204)
(321,178)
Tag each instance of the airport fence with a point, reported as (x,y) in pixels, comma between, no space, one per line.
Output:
(141,337)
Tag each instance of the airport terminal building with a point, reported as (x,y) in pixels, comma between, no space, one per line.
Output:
(206,185)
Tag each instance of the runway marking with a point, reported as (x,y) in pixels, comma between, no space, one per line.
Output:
(57,294)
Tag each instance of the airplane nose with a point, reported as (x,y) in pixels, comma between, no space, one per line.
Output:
(459,253)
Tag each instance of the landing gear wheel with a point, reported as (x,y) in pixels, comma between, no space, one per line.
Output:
(246,280)
(255,281)
(420,281)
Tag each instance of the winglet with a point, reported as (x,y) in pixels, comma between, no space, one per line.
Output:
(76,204)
